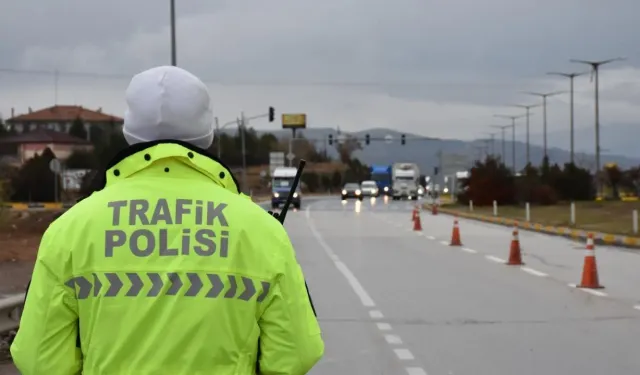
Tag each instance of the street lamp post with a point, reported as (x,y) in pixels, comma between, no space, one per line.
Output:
(595,65)
(502,128)
(173,33)
(513,138)
(571,76)
(493,140)
(528,114)
(544,97)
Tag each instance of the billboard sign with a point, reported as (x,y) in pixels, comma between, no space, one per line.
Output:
(294,120)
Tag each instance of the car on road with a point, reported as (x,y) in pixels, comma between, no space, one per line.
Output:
(351,190)
(369,188)
(281,185)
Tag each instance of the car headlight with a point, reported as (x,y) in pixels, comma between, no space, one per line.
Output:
(375,191)
(420,191)
(295,195)
(276,195)
(386,188)
(344,192)
(358,192)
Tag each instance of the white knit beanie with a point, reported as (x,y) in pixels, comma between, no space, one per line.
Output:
(168,103)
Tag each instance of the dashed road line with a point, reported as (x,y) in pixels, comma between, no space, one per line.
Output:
(470,251)
(637,307)
(404,354)
(415,371)
(431,237)
(445,243)
(393,339)
(533,272)
(495,259)
(365,299)
(590,291)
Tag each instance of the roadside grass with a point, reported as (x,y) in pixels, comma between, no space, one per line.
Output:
(613,217)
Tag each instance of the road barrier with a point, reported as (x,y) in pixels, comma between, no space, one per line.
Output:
(39,206)
(10,312)
(575,234)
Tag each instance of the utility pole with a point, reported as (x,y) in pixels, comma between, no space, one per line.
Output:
(513,138)
(544,97)
(493,140)
(174,61)
(502,128)
(528,114)
(595,65)
(571,76)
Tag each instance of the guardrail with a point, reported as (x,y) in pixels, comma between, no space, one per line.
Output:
(10,312)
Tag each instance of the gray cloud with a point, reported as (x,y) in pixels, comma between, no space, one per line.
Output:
(433,62)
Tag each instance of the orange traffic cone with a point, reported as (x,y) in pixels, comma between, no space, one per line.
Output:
(417,225)
(434,209)
(455,234)
(414,214)
(590,268)
(515,256)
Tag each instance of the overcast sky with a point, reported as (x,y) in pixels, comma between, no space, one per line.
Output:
(434,67)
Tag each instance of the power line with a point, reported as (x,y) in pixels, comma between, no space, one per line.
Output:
(342,83)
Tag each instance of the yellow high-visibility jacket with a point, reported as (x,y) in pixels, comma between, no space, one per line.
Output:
(167,270)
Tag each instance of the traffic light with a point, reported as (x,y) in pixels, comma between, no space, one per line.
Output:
(330,139)
(272,114)
(367,139)
(403,139)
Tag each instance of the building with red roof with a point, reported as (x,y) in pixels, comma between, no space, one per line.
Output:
(48,128)
(60,117)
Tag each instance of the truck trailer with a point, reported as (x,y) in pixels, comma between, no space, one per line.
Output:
(405,181)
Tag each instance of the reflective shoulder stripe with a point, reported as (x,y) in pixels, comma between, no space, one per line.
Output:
(155,284)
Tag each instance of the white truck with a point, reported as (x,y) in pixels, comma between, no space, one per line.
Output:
(405,178)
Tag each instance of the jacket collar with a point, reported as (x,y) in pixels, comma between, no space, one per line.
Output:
(139,156)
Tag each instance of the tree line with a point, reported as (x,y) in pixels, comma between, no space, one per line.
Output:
(491,180)
(34,181)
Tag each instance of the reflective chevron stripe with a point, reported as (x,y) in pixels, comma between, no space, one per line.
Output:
(154,284)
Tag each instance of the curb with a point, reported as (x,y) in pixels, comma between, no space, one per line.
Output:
(573,234)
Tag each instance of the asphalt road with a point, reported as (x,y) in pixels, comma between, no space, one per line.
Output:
(393,301)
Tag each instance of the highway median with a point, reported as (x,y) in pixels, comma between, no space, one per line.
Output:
(611,223)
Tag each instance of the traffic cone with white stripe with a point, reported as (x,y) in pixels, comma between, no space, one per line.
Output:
(515,255)
(590,267)
(455,234)
(414,213)
(417,225)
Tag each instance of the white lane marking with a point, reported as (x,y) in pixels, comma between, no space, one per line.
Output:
(533,272)
(384,326)
(431,237)
(637,307)
(590,291)
(404,354)
(495,259)
(393,339)
(375,314)
(353,281)
(415,371)
(471,251)
(594,292)
(445,243)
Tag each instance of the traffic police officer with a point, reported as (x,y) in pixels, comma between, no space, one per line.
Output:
(168,269)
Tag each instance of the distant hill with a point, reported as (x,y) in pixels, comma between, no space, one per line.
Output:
(424,150)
